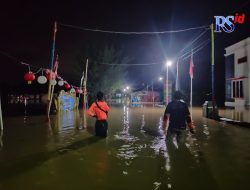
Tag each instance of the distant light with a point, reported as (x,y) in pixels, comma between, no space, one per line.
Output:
(169,63)
(124,90)
(160,78)
(127,87)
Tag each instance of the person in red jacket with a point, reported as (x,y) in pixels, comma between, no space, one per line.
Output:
(99,109)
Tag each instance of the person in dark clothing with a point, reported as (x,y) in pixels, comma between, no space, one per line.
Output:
(99,110)
(178,115)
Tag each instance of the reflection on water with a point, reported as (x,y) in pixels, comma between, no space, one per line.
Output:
(38,154)
(1,139)
(128,150)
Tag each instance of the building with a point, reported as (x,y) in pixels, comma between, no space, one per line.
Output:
(145,97)
(237,77)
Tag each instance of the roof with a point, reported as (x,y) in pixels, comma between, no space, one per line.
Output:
(231,49)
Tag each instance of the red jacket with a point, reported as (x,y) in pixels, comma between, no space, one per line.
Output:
(95,111)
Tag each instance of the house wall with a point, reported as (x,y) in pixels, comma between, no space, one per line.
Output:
(241,71)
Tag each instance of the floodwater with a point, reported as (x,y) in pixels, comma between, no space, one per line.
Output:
(60,154)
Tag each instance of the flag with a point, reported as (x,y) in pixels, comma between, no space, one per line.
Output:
(191,65)
(56,64)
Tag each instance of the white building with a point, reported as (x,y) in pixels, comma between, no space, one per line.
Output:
(237,64)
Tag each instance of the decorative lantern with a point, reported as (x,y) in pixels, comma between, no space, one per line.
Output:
(77,90)
(53,75)
(60,83)
(67,86)
(29,77)
(53,82)
(41,79)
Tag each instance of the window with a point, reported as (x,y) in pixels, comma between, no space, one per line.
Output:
(242,60)
(233,88)
(241,89)
(238,89)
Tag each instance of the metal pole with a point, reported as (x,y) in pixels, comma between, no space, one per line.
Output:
(153,97)
(167,86)
(191,85)
(212,61)
(191,97)
(177,76)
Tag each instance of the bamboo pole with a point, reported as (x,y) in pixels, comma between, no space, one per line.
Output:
(85,95)
(51,68)
(1,117)
(53,86)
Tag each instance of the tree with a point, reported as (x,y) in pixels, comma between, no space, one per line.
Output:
(104,71)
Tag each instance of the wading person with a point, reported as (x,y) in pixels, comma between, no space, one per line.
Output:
(99,109)
(178,116)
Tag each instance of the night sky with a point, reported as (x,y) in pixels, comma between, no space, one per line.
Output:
(26,34)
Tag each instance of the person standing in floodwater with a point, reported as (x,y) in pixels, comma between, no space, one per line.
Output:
(99,109)
(178,115)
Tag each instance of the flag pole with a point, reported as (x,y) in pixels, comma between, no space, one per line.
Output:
(191,84)
(177,76)
(51,68)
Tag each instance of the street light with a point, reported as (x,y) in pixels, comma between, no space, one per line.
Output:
(127,87)
(168,64)
(160,78)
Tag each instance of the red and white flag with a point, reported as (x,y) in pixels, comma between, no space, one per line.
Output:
(56,64)
(191,65)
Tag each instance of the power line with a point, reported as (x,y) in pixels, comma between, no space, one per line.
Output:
(132,33)
(197,50)
(190,43)
(138,64)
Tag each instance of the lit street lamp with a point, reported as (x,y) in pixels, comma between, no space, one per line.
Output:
(168,64)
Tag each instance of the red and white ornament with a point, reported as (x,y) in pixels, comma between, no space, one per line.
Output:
(29,77)
(67,86)
(53,75)
(42,79)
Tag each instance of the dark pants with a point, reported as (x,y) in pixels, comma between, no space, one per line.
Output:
(179,133)
(101,128)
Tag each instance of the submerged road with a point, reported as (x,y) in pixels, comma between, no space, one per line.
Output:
(36,154)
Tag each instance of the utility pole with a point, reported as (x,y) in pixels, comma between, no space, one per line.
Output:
(212,62)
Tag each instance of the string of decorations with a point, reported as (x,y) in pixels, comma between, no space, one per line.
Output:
(43,78)
(30,75)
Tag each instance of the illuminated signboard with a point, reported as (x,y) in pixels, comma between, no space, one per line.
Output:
(67,101)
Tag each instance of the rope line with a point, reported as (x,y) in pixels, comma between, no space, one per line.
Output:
(132,33)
